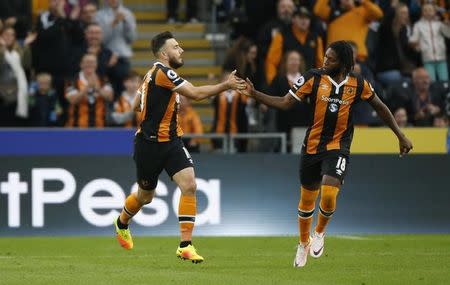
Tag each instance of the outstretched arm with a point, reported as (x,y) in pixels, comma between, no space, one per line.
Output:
(386,115)
(283,103)
(202,92)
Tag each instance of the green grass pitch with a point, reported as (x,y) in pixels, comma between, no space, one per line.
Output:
(374,259)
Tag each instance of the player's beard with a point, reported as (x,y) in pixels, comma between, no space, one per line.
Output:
(175,64)
(334,72)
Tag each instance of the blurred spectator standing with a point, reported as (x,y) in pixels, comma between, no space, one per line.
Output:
(283,21)
(173,9)
(16,14)
(429,38)
(88,96)
(76,6)
(349,21)
(230,115)
(246,17)
(52,46)
(45,109)
(396,58)
(119,31)
(290,71)
(297,37)
(440,121)
(363,113)
(190,124)
(401,117)
(421,99)
(87,17)
(106,59)
(427,104)
(123,114)
(88,14)
(242,57)
(13,82)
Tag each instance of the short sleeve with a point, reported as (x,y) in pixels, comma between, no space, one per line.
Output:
(303,86)
(169,79)
(367,92)
(144,84)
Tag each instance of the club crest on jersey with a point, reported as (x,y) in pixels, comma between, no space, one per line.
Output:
(300,81)
(171,74)
(333,107)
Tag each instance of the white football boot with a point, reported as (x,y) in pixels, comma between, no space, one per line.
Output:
(317,244)
(302,254)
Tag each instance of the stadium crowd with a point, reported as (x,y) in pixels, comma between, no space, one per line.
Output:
(70,64)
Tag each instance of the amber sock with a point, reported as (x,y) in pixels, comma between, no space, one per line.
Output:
(131,208)
(186,216)
(306,207)
(327,206)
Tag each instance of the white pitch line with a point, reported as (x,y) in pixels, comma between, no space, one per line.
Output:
(75,256)
(351,237)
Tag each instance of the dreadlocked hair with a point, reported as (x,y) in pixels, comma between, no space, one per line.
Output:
(344,53)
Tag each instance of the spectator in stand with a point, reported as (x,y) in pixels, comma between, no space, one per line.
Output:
(52,46)
(88,96)
(119,30)
(14,60)
(16,14)
(87,17)
(230,115)
(299,37)
(357,16)
(106,59)
(363,113)
(172,11)
(242,57)
(45,109)
(123,114)
(396,59)
(427,104)
(285,11)
(401,117)
(440,121)
(428,37)
(421,99)
(190,124)
(88,14)
(291,69)
(76,6)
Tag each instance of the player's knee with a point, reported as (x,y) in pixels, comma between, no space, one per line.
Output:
(146,200)
(328,198)
(188,187)
(145,197)
(308,198)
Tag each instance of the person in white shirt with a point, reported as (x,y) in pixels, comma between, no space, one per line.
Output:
(429,38)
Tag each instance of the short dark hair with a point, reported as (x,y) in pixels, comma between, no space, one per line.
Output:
(159,40)
(93,24)
(344,53)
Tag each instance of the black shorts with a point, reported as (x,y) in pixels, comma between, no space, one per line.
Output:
(152,157)
(314,166)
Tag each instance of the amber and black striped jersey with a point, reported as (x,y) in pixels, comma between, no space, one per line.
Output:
(160,104)
(229,116)
(91,110)
(124,105)
(331,126)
